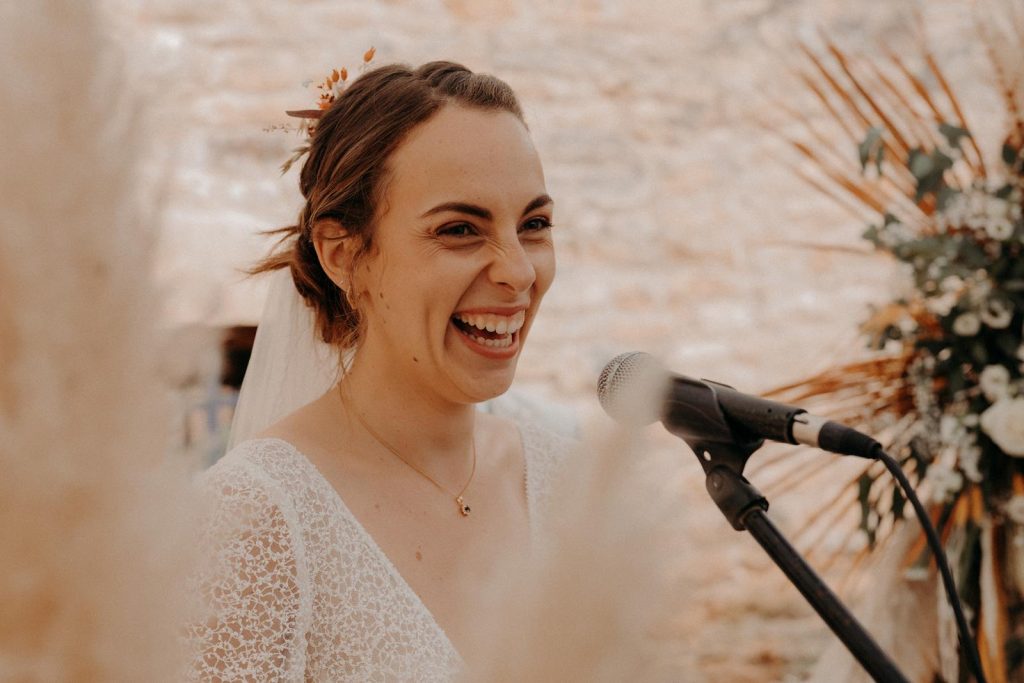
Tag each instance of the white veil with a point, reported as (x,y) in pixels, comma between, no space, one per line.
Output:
(289,366)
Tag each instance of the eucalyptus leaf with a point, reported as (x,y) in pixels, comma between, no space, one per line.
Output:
(944,197)
(871,147)
(928,169)
(972,255)
(1013,285)
(979,353)
(954,134)
(920,163)
(1009,155)
(956,382)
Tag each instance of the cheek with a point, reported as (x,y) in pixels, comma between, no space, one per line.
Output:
(544,266)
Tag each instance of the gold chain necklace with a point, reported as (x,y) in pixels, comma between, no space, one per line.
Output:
(463,506)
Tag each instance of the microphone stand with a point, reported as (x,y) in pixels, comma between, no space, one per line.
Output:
(723,452)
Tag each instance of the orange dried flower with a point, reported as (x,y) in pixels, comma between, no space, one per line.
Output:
(329,90)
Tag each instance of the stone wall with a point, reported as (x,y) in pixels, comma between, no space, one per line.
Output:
(654,120)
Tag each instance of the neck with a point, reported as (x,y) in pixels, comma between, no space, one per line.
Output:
(426,431)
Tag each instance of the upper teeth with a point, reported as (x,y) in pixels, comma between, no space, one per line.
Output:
(501,324)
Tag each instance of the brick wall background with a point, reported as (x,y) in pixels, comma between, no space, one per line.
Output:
(672,205)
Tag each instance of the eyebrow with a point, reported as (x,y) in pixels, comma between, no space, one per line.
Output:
(481,212)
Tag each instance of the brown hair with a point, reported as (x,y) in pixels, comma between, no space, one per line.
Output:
(343,176)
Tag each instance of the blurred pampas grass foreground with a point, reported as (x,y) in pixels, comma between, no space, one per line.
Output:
(92,501)
(602,599)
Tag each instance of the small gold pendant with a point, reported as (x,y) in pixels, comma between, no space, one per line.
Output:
(463,508)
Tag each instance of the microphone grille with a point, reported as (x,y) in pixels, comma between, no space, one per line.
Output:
(631,386)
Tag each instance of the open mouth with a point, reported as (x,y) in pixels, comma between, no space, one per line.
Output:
(490,330)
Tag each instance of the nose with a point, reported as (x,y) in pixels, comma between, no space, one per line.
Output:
(512,267)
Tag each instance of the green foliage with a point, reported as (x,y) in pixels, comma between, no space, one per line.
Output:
(872,149)
(954,134)
(929,170)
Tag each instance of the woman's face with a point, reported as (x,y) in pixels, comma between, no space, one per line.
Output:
(463,255)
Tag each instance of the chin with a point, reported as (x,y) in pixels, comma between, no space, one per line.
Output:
(478,389)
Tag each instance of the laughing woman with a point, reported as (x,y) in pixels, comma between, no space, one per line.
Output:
(349,538)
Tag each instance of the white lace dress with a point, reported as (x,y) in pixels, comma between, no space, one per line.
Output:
(297,590)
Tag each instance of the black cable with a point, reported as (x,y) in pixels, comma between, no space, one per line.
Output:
(967,643)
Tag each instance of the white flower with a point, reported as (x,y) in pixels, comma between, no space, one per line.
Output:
(978,202)
(999,228)
(995,382)
(951,283)
(1014,508)
(996,313)
(1003,421)
(949,426)
(941,305)
(969,459)
(996,207)
(966,325)
(976,222)
(979,288)
(945,482)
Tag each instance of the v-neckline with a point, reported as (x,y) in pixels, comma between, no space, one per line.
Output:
(378,551)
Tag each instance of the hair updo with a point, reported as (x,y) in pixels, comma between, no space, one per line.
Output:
(343,175)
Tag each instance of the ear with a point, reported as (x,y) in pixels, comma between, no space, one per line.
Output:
(336,250)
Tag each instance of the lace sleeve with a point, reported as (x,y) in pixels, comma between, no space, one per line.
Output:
(251,587)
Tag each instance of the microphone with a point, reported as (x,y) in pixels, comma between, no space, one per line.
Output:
(702,411)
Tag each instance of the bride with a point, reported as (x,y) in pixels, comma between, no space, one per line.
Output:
(349,539)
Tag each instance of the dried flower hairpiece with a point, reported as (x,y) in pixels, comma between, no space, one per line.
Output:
(330,88)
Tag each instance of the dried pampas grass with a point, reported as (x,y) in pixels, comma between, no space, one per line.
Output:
(601,599)
(92,497)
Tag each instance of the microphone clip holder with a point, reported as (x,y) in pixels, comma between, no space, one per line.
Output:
(721,448)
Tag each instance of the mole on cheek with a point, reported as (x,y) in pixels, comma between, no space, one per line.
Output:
(419,555)
(415,359)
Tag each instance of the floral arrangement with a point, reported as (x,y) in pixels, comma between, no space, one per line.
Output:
(963,320)
(328,91)
(944,385)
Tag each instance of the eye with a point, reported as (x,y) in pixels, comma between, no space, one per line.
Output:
(456,230)
(536,224)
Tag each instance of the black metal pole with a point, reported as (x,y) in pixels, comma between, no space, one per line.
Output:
(723,450)
(745,507)
(822,599)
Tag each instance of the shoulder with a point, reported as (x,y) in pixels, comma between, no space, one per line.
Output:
(261,464)
(252,490)
(251,586)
